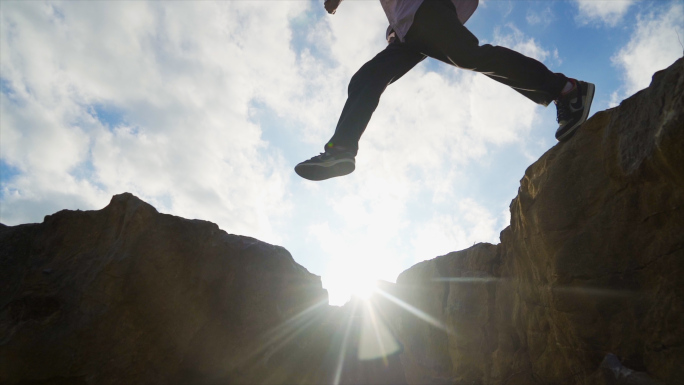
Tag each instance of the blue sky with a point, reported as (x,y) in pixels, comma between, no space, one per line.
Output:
(203,109)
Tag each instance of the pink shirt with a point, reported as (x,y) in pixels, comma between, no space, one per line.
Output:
(400,13)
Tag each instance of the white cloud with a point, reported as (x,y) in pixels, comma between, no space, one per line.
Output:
(609,12)
(469,224)
(528,46)
(653,46)
(181,75)
(543,18)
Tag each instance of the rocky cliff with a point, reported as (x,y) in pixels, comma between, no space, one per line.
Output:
(126,295)
(584,288)
(586,285)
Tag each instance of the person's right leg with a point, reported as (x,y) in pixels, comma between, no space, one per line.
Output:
(439,34)
(365,89)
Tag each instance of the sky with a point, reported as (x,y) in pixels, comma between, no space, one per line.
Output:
(203,109)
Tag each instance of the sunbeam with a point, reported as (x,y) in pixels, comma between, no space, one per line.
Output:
(343,348)
(465,279)
(278,337)
(371,315)
(593,291)
(375,340)
(415,311)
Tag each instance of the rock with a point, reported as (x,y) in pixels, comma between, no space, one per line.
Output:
(614,373)
(128,295)
(591,263)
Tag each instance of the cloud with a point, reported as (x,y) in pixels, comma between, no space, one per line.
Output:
(471,223)
(542,18)
(609,12)
(518,41)
(653,46)
(182,77)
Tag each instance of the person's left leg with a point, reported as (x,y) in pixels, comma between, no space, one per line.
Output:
(365,89)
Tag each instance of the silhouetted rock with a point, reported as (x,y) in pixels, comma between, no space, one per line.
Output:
(126,295)
(592,263)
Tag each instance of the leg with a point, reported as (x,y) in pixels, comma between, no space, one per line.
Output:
(365,89)
(438,33)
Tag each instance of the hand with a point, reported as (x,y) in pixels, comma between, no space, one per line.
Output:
(331,6)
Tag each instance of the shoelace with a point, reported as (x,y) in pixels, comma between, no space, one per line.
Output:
(563,113)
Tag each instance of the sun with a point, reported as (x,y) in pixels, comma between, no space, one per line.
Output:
(342,288)
(362,288)
(355,274)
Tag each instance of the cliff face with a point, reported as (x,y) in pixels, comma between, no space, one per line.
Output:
(128,295)
(591,264)
(584,288)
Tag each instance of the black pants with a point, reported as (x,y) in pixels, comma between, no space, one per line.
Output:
(436,32)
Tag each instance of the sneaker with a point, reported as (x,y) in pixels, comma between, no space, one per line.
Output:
(333,162)
(573,108)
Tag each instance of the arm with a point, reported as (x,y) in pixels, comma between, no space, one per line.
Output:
(331,5)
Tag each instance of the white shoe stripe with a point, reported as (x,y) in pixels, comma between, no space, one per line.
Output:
(328,164)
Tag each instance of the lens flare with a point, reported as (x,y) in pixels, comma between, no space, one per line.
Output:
(363,288)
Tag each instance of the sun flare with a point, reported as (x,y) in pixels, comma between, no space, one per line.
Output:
(342,288)
(362,288)
(356,270)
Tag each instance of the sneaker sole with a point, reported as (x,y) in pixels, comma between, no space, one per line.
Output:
(569,132)
(322,172)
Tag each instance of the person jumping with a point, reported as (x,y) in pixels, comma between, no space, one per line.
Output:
(435,28)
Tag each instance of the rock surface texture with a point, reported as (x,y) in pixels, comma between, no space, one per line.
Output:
(585,287)
(590,268)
